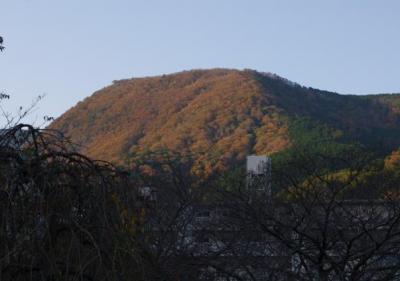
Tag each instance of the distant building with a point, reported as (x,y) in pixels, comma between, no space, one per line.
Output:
(259,174)
(238,250)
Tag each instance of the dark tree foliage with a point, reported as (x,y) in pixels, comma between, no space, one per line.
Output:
(322,226)
(1,44)
(62,215)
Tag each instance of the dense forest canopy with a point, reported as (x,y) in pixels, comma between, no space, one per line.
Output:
(222,115)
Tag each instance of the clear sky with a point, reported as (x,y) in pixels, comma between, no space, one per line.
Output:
(67,49)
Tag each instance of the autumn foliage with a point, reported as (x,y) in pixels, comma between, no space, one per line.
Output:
(222,115)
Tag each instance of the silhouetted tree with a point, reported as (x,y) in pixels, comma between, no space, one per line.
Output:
(62,215)
(1,44)
(323,226)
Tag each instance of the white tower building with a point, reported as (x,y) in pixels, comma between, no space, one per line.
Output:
(259,174)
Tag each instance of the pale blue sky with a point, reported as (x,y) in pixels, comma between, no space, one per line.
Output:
(69,48)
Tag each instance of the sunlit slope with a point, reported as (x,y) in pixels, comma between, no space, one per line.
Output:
(224,115)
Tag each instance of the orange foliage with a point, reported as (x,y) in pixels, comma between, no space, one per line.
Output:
(393,160)
(220,114)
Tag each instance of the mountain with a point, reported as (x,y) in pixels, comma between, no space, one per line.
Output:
(225,114)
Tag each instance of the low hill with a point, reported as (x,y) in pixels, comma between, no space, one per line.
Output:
(225,114)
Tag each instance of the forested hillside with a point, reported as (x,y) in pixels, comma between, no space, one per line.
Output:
(221,115)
